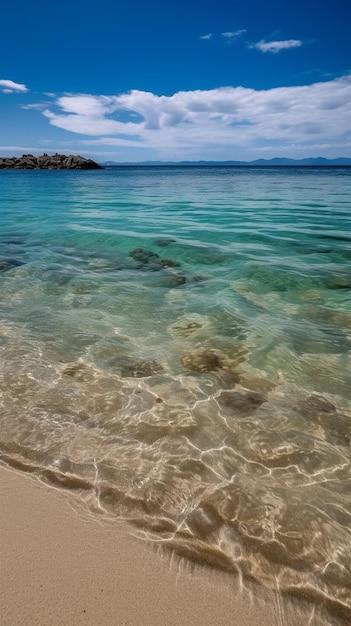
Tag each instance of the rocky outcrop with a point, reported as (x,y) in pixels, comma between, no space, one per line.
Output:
(46,162)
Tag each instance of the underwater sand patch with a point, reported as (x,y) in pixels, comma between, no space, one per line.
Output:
(189,325)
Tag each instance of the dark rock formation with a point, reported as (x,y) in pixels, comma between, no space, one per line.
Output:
(316,404)
(164,242)
(151,261)
(46,162)
(319,410)
(241,401)
(8,264)
(203,360)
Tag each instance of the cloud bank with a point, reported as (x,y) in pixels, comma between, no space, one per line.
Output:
(227,119)
(8,86)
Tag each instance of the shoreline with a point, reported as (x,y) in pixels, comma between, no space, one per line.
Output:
(61,566)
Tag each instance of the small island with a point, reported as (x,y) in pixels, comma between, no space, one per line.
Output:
(46,162)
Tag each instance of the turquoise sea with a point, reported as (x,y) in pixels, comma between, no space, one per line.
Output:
(175,347)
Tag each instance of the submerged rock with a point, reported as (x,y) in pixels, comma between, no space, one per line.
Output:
(316,404)
(13,242)
(79,371)
(141,369)
(162,243)
(46,162)
(151,261)
(143,256)
(8,264)
(173,279)
(203,360)
(319,410)
(241,401)
(338,282)
(146,368)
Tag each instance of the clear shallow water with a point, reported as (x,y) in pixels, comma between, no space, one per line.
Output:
(175,345)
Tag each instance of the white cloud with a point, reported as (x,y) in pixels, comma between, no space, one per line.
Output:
(88,115)
(224,120)
(230,35)
(208,36)
(276,46)
(8,86)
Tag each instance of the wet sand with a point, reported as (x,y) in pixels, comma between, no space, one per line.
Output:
(60,566)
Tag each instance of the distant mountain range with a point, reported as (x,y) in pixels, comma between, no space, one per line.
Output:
(277,162)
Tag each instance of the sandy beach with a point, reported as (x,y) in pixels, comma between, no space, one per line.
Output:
(60,566)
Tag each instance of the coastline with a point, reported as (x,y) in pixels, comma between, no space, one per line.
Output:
(60,566)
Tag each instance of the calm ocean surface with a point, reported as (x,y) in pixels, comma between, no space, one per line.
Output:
(175,346)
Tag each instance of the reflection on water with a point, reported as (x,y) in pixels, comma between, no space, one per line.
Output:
(184,361)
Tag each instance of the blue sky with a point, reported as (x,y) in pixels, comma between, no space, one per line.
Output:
(151,79)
